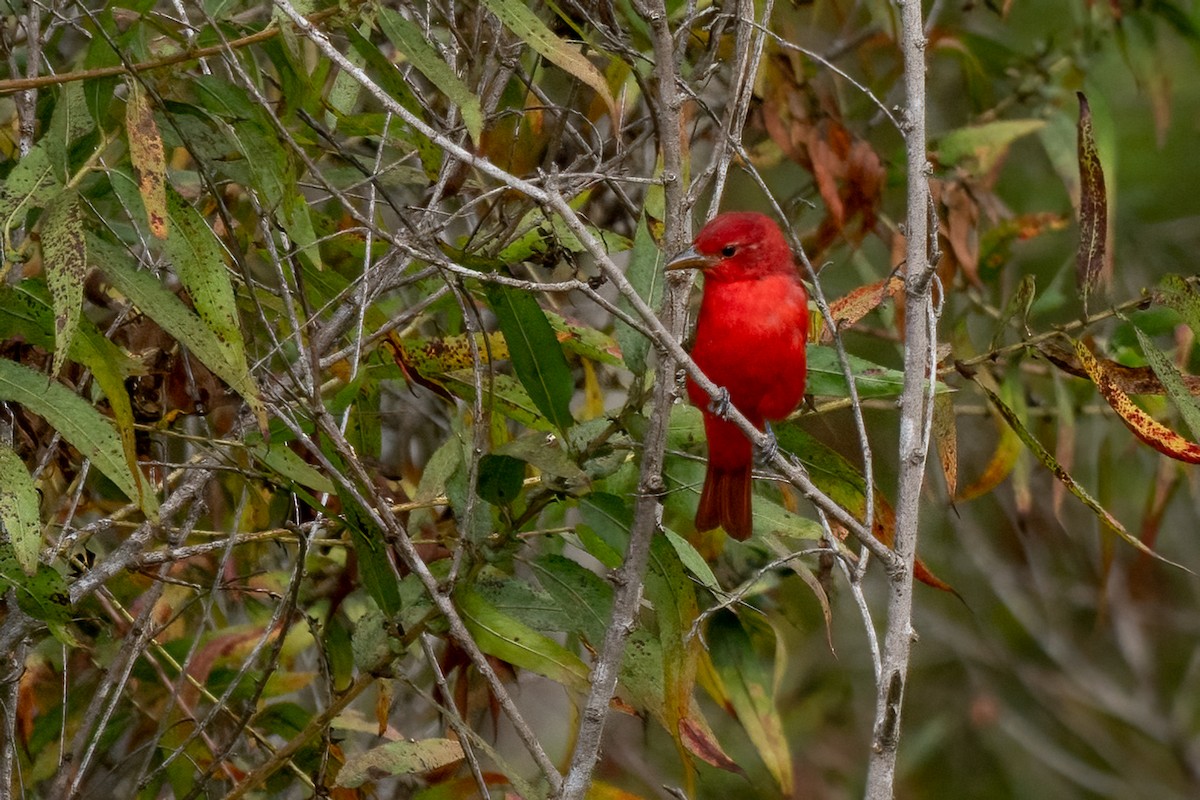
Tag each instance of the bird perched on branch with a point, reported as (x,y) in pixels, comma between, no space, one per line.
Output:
(751,334)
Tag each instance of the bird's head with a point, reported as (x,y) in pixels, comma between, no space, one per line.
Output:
(737,246)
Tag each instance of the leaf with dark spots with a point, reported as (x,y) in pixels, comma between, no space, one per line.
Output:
(500,478)
(146,154)
(1060,472)
(1131,380)
(1093,207)
(1144,427)
(64,254)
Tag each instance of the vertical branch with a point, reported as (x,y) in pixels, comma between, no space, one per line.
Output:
(647,515)
(914,411)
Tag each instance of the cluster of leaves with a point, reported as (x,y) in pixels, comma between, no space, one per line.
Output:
(309,396)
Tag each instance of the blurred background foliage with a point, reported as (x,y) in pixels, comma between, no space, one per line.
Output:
(320,439)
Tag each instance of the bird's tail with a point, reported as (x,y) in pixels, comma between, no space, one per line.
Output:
(725,501)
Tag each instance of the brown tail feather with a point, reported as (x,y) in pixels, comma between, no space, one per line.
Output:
(725,502)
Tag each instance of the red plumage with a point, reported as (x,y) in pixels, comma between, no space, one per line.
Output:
(751,334)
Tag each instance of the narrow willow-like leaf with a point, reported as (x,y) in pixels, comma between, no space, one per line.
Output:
(849,309)
(1171,379)
(646,277)
(26,312)
(1143,426)
(31,183)
(536,355)
(404,757)
(156,302)
(1051,463)
(945,433)
(64,255)
(509,640)
(19,511)
(84,427)
(1181,295)
(1093,206)
(986,143)
(749,686)
(521,20)
(575,587)
(1017,308)
(846,486)
(146,154)
(200,264)
(673,595)
(70,121)
(507,395)
(825,378)
(410,40)
(374,564)
(284,461)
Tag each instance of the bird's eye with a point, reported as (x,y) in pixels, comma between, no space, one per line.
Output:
(728,250)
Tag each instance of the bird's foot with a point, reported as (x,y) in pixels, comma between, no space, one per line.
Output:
(771,448)
(720,404)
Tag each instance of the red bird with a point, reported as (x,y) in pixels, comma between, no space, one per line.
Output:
(750,338)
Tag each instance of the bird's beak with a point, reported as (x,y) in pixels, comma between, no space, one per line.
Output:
(691,259)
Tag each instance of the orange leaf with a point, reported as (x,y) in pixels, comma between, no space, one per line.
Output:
(848,310)
(1144,427)
(945,433)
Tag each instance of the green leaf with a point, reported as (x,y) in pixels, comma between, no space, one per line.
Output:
(404,757)
(536,355)
(1172,381)
(64,252)
(584,341)
(1093,207)
(673,596)
(509,640)
(986,143)
(30,184)
(542,611)
(1051,463)
(200,264)
(646,277)
(43,595)
(410,40)
(749,688)
(825,377)
(25,312)
(550,459)
(608,517)
(390,79)
(501,479)
(521,20)
(577,588)
(144,291)
(285,462)
(1181,295)
(22,530)
(502,393)
(374,563)
(84,427)
(695,563)
(70,122)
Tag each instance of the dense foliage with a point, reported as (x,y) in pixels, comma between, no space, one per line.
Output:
(333,397)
